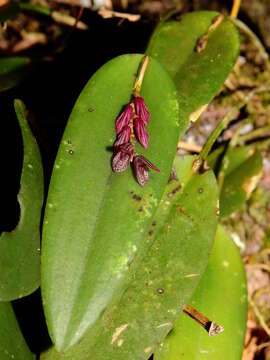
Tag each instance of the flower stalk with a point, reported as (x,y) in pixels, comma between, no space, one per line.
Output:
(139,80)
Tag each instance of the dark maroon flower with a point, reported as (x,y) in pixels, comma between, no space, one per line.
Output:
(123,155)
(123,136)
(141,110)
(124,118)
(141,165)
(141,132)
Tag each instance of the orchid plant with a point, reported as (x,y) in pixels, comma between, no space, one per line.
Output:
(116,274)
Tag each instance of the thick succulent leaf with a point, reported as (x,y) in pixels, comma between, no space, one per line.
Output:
(181,234)
(198,75)
(20,248)
(12,71)
(242,168)
(12,343)
(222,296)
(96,220)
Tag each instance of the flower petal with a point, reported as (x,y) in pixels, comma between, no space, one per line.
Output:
(149,164)
(120,162)
(124,118)
(142,110)
(141,132)
(141,171)
(123,155)
(123,136)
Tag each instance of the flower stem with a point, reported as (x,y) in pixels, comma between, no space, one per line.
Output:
(235,8)
(139,79)
(132,135)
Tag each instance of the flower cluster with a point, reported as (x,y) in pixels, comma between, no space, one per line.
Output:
(132,123)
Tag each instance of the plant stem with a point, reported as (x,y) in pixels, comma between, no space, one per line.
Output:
(255,40)
(263,131)
(259,316)
(235,8)
(139,79)
(217,131)
(210,326)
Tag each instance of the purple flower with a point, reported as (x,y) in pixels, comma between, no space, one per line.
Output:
(141,132)
(141,165)
(141,110)
(123,155)
(124,118)
(123,136)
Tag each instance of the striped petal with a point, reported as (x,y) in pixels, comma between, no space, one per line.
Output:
(124,118)
(141,132)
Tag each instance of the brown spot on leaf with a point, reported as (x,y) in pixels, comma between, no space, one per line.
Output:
(173,175)
(175,190)
(137,197)
(160,290)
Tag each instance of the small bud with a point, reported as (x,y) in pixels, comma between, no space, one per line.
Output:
(124,118)
(141,132)
(142,110)
(122,157)
(141,165)
(123,136)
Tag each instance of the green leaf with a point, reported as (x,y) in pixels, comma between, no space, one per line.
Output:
(198,76)
(96,220)
(12,343)
(12,71)
(222,296)
(241,171)
(20,248)
(181,234)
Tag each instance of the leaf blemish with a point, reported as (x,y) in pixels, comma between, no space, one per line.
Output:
(175,190)
(191,275)
(71,152)
(120,342)
(200,190)
(137,197)
(118,331)
(165,324)
(148,349)
(150,232)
